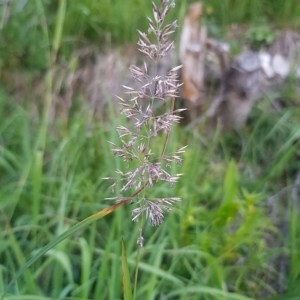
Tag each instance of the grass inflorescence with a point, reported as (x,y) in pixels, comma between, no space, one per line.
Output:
(139,139)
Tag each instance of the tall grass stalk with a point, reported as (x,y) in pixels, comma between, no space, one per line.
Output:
(38,159)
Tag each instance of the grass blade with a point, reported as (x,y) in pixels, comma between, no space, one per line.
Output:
(127,289)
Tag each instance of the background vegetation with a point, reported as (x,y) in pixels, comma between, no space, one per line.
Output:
(236,234)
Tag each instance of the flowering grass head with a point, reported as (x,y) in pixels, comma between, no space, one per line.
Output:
(148,164)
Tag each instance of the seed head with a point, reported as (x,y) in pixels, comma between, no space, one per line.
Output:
(148,164)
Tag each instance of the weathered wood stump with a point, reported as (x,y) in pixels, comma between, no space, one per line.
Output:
(240,83)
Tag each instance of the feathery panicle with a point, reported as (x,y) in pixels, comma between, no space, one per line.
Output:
(144,126)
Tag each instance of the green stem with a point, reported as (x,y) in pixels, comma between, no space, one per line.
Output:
(56,43)
(38,160)
(138,257)
(137,261)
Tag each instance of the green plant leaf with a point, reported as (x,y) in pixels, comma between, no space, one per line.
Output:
(127,290)
(230,183)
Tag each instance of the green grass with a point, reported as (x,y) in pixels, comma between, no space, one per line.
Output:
(223,241)
(213,246)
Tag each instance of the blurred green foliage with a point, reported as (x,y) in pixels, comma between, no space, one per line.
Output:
(260,35)
(23,41)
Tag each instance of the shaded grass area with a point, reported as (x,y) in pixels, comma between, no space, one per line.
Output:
(235,235)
